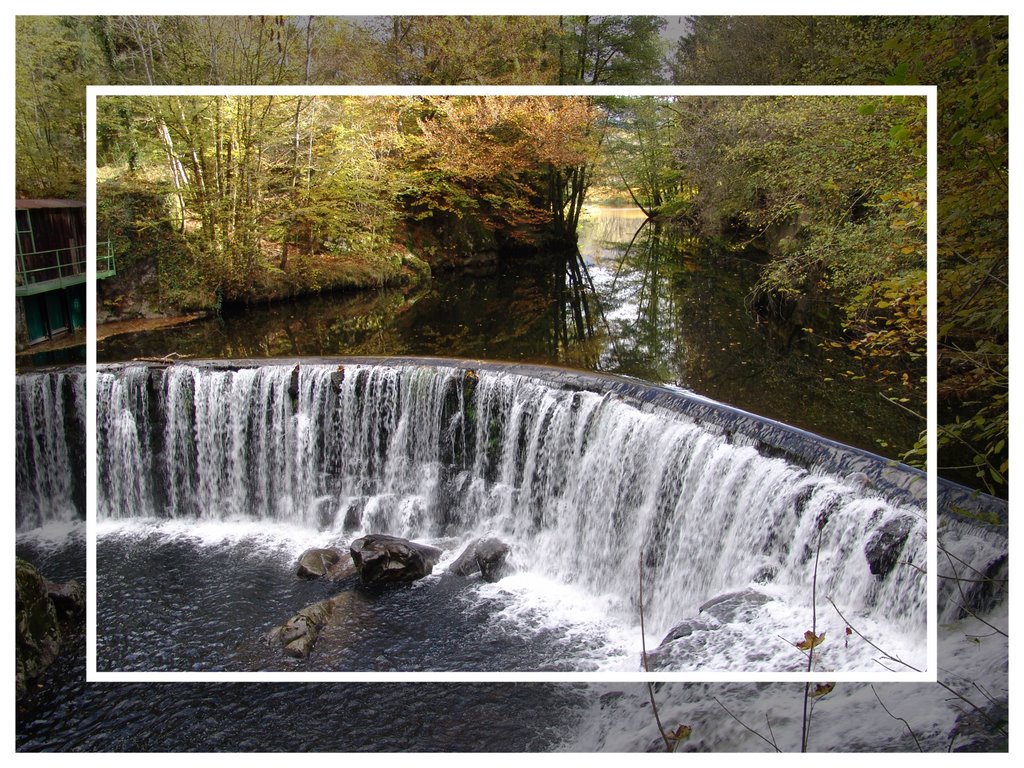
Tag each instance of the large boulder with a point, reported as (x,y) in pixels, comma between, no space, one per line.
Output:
(486,556)
(381,559)
(883,549)
(330,564)
(37,621)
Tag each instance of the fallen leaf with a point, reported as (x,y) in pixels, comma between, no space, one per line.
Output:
(822,689)
(810,641)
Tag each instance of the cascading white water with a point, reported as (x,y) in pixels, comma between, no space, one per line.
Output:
(49,429)
(582,485)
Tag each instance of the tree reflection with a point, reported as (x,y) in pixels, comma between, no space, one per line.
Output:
(572,334)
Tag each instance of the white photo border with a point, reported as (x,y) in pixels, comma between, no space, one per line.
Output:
(929,92)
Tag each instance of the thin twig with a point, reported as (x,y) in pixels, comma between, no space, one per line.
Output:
(949,688)
(954,578)
(973,706)
(806,727)
(769,723)
(643,646)
(759,735)
(884,653)
(964,608)
(894,717)
(949,555)
(901,405)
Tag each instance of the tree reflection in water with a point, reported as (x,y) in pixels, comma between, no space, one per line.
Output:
(636,298)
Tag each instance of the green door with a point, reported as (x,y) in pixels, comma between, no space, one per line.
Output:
(55,314)
(35,318)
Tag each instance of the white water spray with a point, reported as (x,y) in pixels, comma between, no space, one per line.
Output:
(579,483)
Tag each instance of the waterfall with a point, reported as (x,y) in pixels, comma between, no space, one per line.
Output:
(49,448)
(582,484)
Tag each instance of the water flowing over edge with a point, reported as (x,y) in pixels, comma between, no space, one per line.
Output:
(574,512)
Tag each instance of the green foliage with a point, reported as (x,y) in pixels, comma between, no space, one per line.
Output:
(638,150)
(833,188)
(602,50)
(57,58)
(967,58)
(267,196)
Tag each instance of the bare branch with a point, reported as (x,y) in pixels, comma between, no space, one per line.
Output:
(894,717)
(761,736)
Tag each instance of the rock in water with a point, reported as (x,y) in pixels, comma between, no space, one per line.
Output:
(298,635)
(491,556)
(734,606)
(37,621)
(687,642)
(485,556)
(883,549)
(331,564)
(382,559)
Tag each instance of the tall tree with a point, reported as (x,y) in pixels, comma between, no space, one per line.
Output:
(602,50)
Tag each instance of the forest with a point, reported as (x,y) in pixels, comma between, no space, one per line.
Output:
(248,198)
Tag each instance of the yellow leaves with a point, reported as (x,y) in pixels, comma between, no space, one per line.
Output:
(822,689)
(810,641)
(679,735)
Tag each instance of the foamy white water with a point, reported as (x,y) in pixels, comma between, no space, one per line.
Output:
(582,485)
(49,406)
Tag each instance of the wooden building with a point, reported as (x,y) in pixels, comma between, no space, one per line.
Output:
(50,270)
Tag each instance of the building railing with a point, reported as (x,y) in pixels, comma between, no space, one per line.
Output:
(60,268)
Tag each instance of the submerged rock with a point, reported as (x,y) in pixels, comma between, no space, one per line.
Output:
(338,376)
(860,480)
(330,564)
(683,643)
(338,620)
(883,549)
(486,556)
(298,635)
(68,599)
(383,559)
(354,513)
(688,641)
(687,627)
(734,606)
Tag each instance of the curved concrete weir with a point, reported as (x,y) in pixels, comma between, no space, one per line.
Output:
(581,474)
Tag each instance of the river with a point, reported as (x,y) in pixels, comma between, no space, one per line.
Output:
(643,300)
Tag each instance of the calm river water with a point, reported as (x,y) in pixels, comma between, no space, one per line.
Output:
(641,300)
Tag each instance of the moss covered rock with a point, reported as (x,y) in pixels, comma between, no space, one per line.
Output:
(37,626)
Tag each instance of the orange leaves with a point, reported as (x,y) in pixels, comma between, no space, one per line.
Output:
(487,136)
(494,156)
